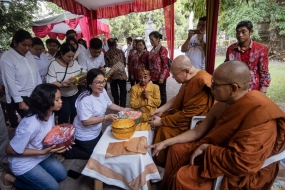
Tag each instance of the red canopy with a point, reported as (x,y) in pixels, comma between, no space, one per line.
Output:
(112,8)
(57,26)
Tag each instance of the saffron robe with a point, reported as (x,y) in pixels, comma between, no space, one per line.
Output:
(146,106)
(194,98)
(243,137)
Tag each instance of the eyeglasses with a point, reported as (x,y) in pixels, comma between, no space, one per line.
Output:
(99,83)
(214,84)
(175,75)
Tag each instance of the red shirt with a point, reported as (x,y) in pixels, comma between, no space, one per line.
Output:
(256,58)
(158,63)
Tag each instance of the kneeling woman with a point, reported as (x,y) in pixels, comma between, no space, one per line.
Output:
(33,166)
(91,107)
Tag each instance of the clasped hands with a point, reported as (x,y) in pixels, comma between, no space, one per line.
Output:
(144,94)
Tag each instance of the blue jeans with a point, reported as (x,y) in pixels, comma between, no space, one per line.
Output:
(45,176)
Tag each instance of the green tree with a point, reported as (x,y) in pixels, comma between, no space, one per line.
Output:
(133,24)
(19,16)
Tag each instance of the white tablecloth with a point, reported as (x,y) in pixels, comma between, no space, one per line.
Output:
(125,171)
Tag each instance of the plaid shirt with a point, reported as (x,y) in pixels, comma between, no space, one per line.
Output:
(256,58)
(113,56)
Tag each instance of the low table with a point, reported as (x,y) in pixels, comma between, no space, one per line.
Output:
(125,171)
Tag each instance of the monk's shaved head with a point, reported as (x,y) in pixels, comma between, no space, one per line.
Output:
(181,62)
(233,72)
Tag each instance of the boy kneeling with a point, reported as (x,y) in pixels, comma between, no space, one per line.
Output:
(144,97)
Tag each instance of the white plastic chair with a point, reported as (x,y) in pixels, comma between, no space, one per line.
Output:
(268,161)
(217,182)
(195,119)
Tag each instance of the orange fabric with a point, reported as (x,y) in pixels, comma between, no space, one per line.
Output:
(193,98)
(133,146)
(249,131)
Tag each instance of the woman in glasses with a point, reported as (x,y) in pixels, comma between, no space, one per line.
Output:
(91,107)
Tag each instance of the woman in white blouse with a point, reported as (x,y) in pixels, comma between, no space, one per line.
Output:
(19,72)
(33,165)
(62,68)
(91,107)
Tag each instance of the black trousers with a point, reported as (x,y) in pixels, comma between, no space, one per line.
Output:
(11,107)
(132,81)
(122,98)
(162,89)
(68,111)
(82,149)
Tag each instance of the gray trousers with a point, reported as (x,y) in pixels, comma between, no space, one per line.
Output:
(3,138)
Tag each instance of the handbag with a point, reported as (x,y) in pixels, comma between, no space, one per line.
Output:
(169,62)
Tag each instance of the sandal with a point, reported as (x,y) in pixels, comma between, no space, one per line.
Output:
(4,185)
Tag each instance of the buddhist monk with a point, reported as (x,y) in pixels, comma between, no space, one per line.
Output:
(194,98)
(144,97)
(239,133)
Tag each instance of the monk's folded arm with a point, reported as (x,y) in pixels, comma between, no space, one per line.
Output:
(183,116)
(154,101)
(247,151)
(135,100)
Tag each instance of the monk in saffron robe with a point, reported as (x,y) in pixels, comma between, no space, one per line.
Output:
(239,133)
(194,98)
(144,97)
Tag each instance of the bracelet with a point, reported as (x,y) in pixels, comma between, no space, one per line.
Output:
(104,119)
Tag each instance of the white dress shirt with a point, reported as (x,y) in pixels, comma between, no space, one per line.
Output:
(87,61)
(20,75)
(42,63)
(50,57)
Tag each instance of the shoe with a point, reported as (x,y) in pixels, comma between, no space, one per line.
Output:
(3,184)
(161,173)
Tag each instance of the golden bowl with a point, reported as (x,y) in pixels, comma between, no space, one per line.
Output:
(123,128)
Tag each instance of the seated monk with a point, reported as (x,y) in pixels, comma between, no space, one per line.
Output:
(144,97)
(194,98)
(239,133)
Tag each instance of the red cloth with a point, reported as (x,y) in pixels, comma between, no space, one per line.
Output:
(85,29)
(42,31)
(169,28)
(212,9)
(256,58)
(123,9)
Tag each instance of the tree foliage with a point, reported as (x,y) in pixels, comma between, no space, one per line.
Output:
(232,12)
(21,15)
(133,24)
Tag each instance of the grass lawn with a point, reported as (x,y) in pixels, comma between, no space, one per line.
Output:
(276,90)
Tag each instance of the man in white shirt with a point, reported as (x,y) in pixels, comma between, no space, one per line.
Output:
(105,44)
(93,57)
(117,45)
(195,45)
(52,46)
(129,47)
(72,33)
(40,58)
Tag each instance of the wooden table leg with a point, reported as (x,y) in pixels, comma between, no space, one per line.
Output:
(148,185)
(98,185)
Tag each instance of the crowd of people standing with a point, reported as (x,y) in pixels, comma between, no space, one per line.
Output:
(36,85)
